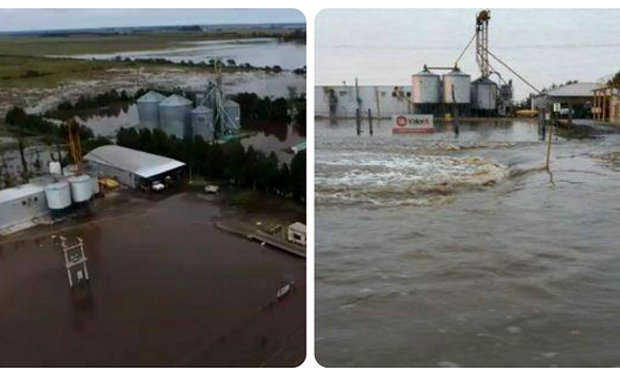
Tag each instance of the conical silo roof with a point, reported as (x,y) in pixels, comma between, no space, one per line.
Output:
(151,97)
(175,101)
(201,109)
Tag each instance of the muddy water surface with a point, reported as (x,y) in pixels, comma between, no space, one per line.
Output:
(167,289)
(460,251)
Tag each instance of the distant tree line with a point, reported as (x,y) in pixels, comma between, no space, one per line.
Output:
(224,64)
(230,161)
(615,80)
(254,107)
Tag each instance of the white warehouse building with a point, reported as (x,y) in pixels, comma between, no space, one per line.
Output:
(383,101)
(132,168)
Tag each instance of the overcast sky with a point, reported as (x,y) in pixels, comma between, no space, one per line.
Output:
(386,46)
(39,19)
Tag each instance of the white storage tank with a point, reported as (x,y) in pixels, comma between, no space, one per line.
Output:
(425,88)
(148,109)
(484,94)
(456,87)
(58,196)
(175,116)
(81,188)
(202,122)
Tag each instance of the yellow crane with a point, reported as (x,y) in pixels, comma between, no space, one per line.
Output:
(75,145)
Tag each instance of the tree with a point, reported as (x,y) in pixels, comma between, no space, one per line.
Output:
(615,80)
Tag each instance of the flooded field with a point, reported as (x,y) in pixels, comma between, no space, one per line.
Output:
(258,52)
(167,289)
(457,249)
(266,136)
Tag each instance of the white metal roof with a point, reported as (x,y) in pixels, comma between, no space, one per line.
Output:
(22,191)
(579,89)
(137,162)
(298,227)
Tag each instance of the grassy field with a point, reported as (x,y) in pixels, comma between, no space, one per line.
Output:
(95,44)
(23,63)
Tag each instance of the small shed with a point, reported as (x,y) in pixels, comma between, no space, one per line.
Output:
(297,233)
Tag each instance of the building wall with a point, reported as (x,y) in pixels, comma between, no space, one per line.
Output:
(22,210)
(123,177)
(379,99)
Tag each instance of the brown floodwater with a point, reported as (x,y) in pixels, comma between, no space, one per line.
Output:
(166,289)
(458,249)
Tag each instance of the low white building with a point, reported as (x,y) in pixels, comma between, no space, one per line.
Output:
(297,233)
(383,101)
(20,206)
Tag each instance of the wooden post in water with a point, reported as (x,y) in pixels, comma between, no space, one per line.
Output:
(549,146)
(370,121)
(358,121)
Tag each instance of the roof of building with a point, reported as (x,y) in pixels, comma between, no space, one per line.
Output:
(22,191)
(579,89)
(298,227)
(137,162)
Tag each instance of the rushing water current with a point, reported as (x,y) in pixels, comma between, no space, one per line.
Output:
(458,249)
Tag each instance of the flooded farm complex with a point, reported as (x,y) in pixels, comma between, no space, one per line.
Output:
(152,196)
(466,192)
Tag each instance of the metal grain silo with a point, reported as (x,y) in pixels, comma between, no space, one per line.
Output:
(81,188)
(233,110)
(202,122)
(175,116)
(425,88)
(58,196)
(484,94)
(148,109)
(456,87)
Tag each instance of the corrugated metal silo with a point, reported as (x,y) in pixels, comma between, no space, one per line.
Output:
(58,196)
(233,110)
(484,94)
(425,88)
(81,188)
(456,87)
(148,109)
(175,116)
(202,122)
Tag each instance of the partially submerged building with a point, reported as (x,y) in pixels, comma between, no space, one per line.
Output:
(606,106)
(133,168)
(574,97)
(20,206)
(297,233)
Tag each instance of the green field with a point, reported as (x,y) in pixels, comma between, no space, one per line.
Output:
(94,44)
(23,63)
